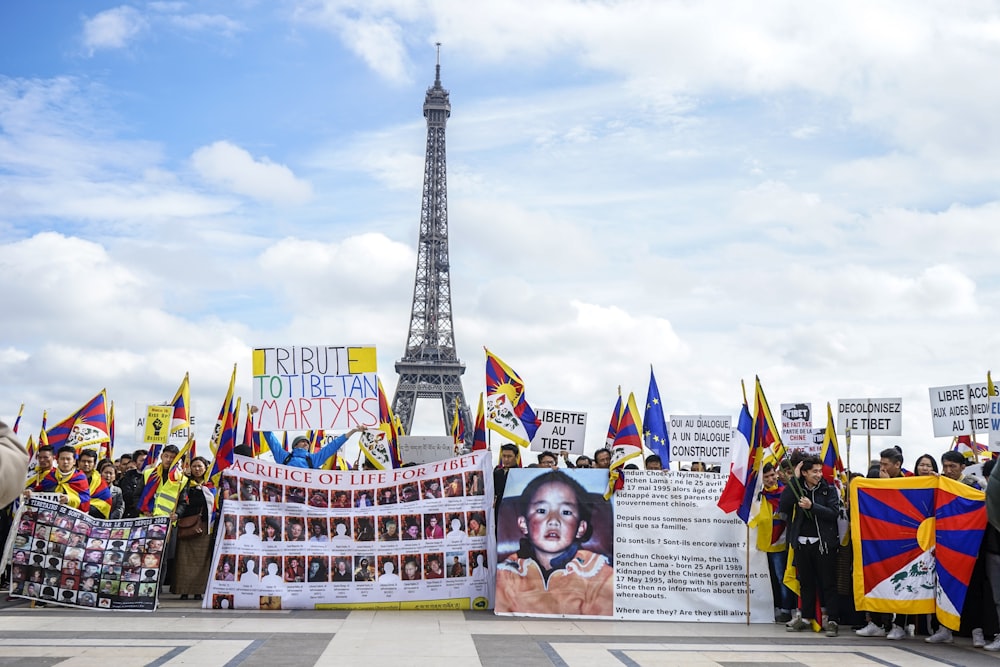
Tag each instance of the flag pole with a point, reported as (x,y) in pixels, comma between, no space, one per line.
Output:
(972,425)
(748,573)
(847,437)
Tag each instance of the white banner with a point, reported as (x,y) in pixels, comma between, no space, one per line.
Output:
(960,409)
(702,438)
(411,538)
(560,431)
(425,448)
(660,549)
(870,416)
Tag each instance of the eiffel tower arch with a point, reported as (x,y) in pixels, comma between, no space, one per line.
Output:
(430,367)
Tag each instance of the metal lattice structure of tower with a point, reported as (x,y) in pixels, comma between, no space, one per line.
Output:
(430,367)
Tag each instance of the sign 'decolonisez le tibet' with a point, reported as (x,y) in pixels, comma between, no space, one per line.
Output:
(300,388)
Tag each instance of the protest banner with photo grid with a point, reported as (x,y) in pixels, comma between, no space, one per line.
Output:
(419,537)
(63,556)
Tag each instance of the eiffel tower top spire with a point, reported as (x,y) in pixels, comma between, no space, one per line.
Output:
(430,367)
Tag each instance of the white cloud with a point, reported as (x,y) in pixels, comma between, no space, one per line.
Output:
(112,29)
(235,169)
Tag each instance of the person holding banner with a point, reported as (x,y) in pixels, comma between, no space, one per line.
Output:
(813,507)
(67,481)
(300,457)
(551,572)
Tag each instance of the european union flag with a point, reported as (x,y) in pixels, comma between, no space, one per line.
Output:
(655,434)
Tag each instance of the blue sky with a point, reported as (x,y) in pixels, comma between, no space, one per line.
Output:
(803,193)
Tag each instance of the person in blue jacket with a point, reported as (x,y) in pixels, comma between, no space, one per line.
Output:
(300,457)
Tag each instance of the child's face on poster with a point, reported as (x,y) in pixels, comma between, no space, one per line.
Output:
(553,518)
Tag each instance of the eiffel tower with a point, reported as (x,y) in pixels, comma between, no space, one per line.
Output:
(430,367)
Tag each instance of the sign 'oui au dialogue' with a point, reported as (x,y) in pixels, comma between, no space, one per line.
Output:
(302,388)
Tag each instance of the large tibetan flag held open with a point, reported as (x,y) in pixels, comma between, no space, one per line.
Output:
(916,540)
(507,410)
(627,444)
(87,428)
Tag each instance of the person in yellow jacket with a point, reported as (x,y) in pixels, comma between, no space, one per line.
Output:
(162,487)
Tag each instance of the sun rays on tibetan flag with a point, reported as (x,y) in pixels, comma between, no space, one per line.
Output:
(833,465)
(766,436)
(381,445)
(627,444)
(507,410)
(916,540)
(224,411)
(181,403)
(87,428)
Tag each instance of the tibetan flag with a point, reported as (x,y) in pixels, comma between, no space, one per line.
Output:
(176,472)
(111,432)
(380,446)
(969,448)
(654,433)
(766,436)
(507,410)
(479,434)
(84,429)
(627,444)
(457,428)
(916,540)
(17,422)
(833,466)
(251,439)
(181,403)
(616,416)
(770,528)
(224,410)
(224,453)
(740,469)
(73,485)
(100,495)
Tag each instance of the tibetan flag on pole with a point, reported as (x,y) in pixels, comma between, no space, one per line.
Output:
(741,467)
(916,540)
(111,432)
(616,416)
(181,403)
(766,436)
(222,420)
(507,410)
(252,439)
(86,428)
(17,422)
(457,429)
(833,465)
(969,448)
(654,433)
(479,434)
(381,446)
(627,444)
(224,452)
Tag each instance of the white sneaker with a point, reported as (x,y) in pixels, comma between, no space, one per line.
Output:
(942,636)
(978,640)
(993,645)
(870,630)
(896,632)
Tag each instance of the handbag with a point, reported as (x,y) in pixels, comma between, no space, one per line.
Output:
(189,527)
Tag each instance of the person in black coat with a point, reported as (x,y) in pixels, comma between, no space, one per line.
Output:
(813,506)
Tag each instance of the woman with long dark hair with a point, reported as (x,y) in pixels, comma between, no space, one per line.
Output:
(193,553)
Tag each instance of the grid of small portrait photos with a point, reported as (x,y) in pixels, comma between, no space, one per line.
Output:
(64,556)
(422,536)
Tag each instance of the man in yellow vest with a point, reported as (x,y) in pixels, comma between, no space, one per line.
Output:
(160,493)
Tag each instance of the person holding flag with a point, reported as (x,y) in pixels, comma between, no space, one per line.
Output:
(813,507)
(163,484)
(299,456)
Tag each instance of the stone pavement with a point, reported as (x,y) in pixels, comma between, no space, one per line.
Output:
(180,633)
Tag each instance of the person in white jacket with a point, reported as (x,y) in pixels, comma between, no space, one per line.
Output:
(13,465)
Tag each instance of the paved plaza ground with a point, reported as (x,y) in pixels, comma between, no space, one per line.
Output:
(180,633)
